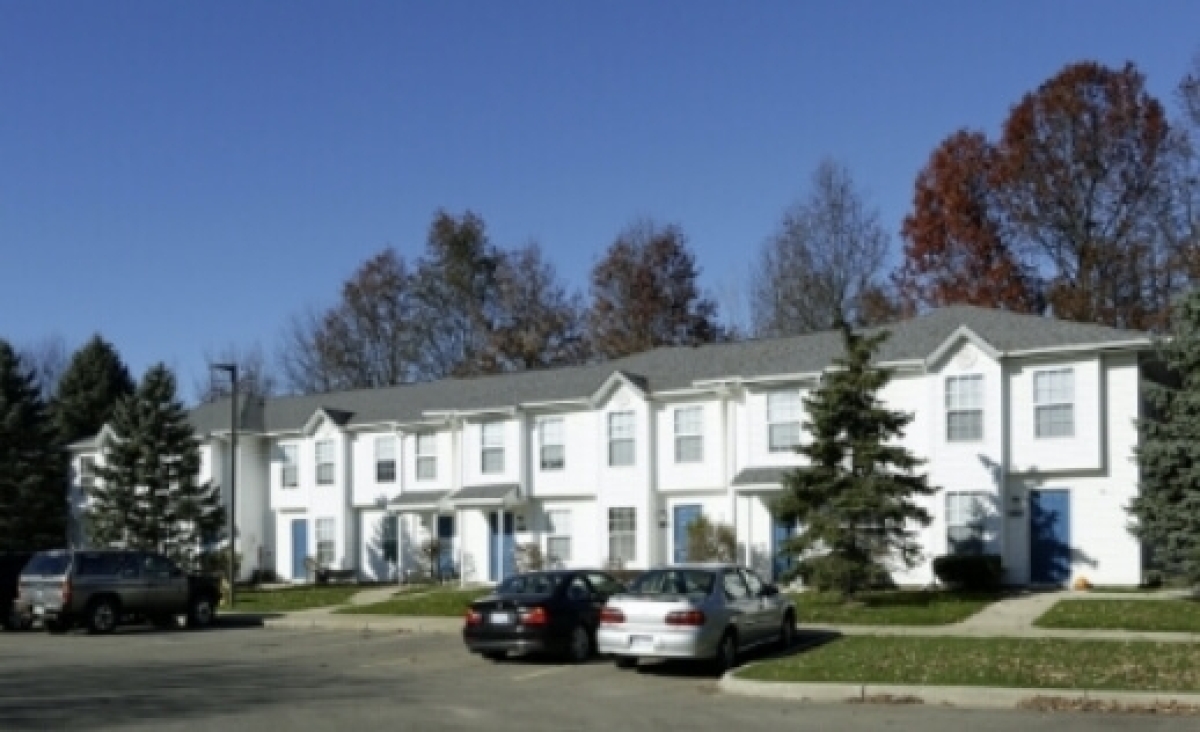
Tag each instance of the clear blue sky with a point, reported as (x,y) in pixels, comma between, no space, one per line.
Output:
(179,176)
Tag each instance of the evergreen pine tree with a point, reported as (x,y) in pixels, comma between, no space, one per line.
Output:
(33,467)
(1167,507)
(148,496)
(95,380)
(854,499)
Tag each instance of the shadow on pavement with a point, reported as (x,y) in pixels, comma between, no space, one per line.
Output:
(805,641)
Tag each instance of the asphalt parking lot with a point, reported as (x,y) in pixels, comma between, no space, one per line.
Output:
(253,679)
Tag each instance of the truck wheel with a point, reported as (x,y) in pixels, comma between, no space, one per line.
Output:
(102,616)
(201,612)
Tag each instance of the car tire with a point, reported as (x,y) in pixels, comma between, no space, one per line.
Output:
(201,612)
(495,656)
(102,616)
(787,632)
(626,661)
(579,645)
(726,656)
(56,627)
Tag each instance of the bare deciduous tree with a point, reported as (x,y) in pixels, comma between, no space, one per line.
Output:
(48,358)
(827,254)
(255,376)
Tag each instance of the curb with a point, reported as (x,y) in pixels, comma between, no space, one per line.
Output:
(967,697)
(366,623)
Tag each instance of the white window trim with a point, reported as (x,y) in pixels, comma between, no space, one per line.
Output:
(87,472)
(963,407)
(290,462)
(331,464)
(620,440)
(977,524)
(696,434)
(425,458)
(1038,406)
(775,421)
(330,523)
(560,444)
(559,531)
(381,459)
(491,446)
(622,533)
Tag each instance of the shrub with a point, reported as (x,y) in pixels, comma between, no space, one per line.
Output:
(709,542)
(847,577)
(529,557)
(969,571)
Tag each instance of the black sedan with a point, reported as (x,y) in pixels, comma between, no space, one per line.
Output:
(540,612)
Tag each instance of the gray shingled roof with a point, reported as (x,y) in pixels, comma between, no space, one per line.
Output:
(494,493)
(663,369)
(418,498)
(760,476)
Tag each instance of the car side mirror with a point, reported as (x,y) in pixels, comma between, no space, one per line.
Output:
(768,591)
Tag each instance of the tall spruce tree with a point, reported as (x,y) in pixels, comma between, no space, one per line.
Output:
(1166,510)
(33,466)
(854,499)
(148,496)
(94,381)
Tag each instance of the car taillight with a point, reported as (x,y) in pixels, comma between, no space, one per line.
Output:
(685,617)
(66,591)
(611,616)
(474,617)
(535,616)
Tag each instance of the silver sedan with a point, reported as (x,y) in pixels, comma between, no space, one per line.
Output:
(708,612)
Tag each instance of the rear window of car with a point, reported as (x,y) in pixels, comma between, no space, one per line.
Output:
(530,584)
(47,565)
(101,565)
(674,582)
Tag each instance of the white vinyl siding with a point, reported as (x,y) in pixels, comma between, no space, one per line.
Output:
(558,538)
(325,466)
(966,520)
(689,435)
(290,474)
(553,452)
(620,439)
(491,435)
(622,535)
(427,457)
(385,459)
(783,420)
(964,408)
(326,547)
(87,473)
(1054,403)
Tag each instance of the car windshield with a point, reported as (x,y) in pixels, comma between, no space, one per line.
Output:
(530,584)
(47,565)
(674,582)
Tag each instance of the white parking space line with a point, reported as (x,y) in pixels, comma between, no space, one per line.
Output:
(536,674)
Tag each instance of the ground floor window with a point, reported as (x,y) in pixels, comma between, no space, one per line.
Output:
(558,538)
(389,540)
(966,522)
(622,535)
(325,542)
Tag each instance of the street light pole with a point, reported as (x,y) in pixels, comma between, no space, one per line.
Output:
(232,370)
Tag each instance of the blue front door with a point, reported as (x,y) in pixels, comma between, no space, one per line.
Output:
(299,548)
(684,516)
(445,534)
(1050,537)
(781,531)
(503,560)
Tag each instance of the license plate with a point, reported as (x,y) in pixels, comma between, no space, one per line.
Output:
(641,642)
(501,618)
(38,611)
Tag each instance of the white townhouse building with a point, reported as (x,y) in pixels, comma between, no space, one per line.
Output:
(1027,424)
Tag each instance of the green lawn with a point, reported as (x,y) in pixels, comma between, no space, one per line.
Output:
(1181,616)
(1008,662)
(899,607)
(440,601)
(293,598)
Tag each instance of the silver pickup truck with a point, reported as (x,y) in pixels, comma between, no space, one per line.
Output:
(103,588)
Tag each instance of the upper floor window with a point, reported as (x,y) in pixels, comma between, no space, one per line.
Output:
(1054,403)
(553,455)
(385,459)
(689,434)
(325,462)
(966,521)
(492,439)
(964,408)
(291,466)
(620,439)
(87,472)
(427,456)
(783,420)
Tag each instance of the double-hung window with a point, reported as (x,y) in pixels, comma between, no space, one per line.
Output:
(427,456)
(622,535)
(492,439)
(325,462)
(553,453)
(325,542)
(783,420)
(689,435)
(390,538)
(620,439)
(966,522)
(1054,403)
(87,473)
(290,468)
(385,459)
(558,538)
(964,408)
